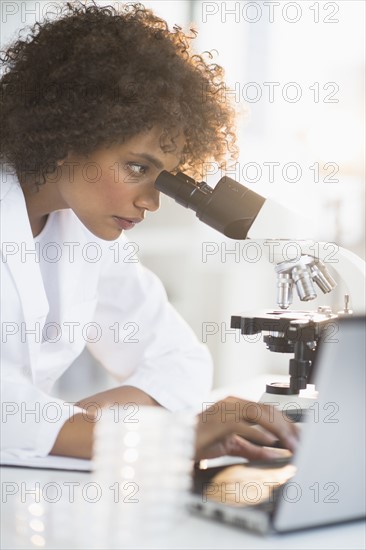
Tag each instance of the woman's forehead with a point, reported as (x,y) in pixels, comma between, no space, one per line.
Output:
(161,144)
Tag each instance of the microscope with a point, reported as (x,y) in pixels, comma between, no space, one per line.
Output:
(300,266)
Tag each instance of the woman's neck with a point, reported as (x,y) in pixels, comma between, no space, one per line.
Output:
(40,202)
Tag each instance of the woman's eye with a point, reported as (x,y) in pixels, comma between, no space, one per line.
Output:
(139,169)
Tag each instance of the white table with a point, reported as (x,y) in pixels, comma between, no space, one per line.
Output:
(57,528)
(20,529)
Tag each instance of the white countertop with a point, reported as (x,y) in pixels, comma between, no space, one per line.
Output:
(60,525)
(56,527)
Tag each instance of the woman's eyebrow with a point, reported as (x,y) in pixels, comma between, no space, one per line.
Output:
(154,160)
(150,158)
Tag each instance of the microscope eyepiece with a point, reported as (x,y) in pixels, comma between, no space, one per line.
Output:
(230,207)
(183,189)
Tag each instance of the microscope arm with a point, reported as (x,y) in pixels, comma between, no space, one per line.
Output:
(239,213)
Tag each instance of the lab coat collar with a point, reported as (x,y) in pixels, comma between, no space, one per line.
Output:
(19,254)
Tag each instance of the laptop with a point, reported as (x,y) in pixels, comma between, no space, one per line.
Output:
(324,482)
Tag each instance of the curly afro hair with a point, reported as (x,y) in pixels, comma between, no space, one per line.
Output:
(96,76)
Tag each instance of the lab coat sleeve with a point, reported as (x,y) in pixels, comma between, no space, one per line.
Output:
(144,342)
(30,419)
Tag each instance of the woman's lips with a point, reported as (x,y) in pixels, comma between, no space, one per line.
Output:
(123,223)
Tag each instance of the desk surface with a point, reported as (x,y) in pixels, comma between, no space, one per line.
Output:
(20,529)
(60,528)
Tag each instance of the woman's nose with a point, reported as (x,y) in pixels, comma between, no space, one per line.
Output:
(149,200)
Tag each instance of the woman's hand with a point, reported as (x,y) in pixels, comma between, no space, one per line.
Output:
(237,427)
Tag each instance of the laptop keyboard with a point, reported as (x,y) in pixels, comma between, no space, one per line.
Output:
(257,471)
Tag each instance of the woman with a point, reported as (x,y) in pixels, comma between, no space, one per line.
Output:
(93,106)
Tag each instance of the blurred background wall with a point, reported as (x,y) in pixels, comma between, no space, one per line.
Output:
(295,72)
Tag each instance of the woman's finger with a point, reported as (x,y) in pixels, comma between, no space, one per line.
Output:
(256,434)
(248,413)
(237,446)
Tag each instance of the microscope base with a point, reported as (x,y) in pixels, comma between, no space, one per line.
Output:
(296,405)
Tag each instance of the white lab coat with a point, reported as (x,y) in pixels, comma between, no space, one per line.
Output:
(106,301)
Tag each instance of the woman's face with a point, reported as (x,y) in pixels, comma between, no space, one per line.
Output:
(112,189)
